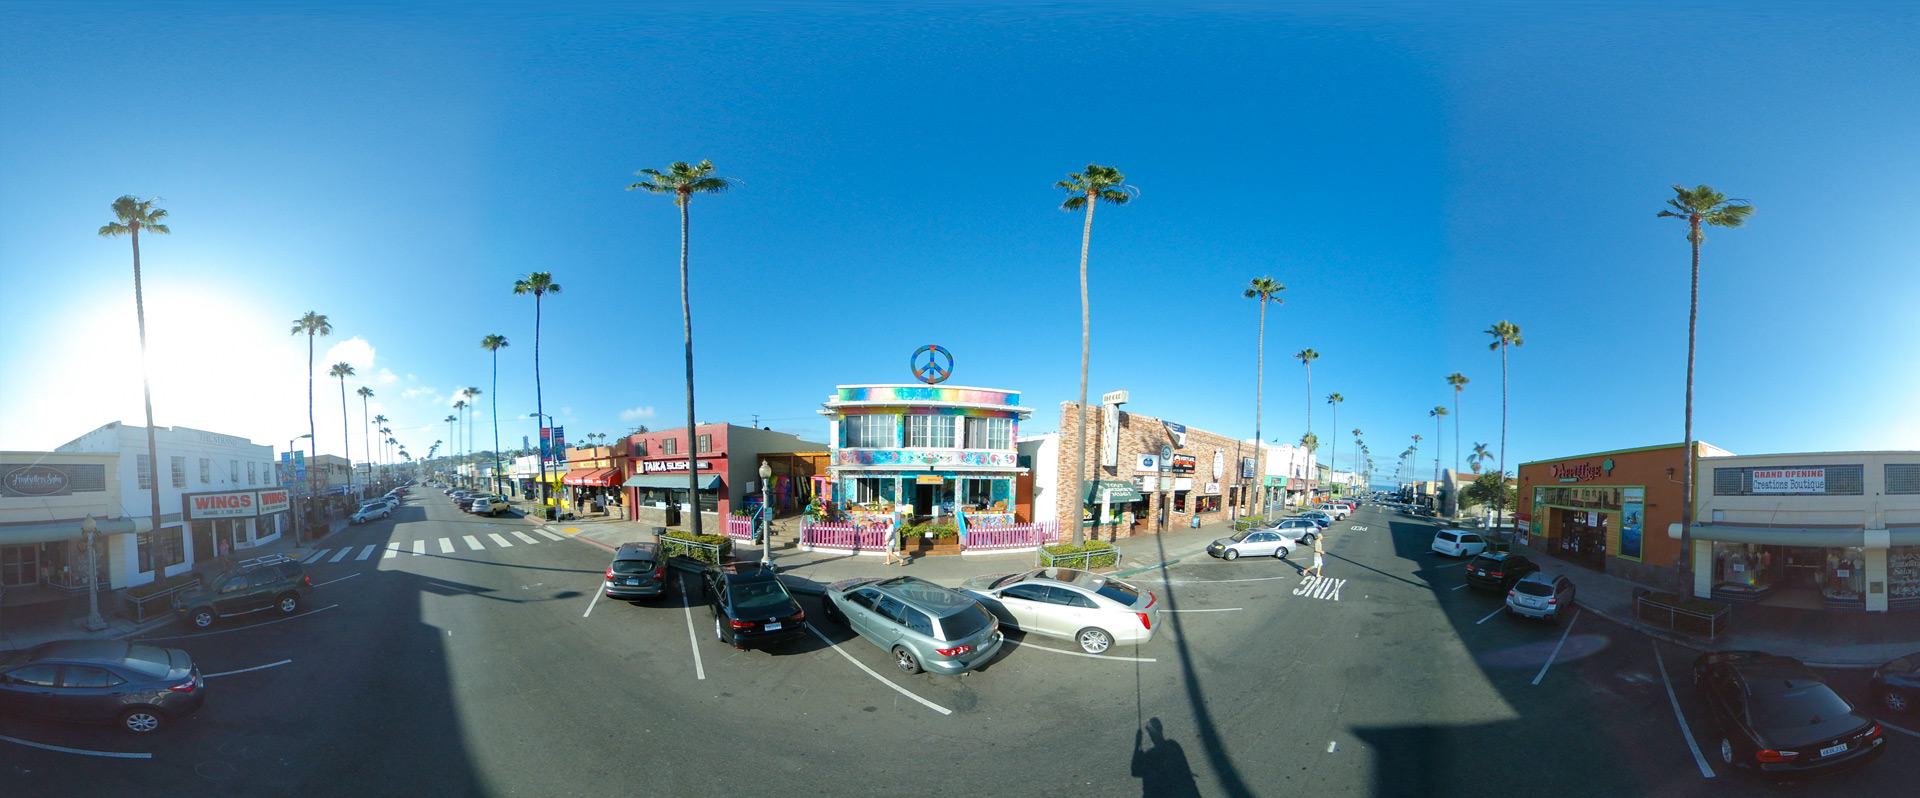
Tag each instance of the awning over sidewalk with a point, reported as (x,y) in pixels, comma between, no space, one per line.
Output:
(669,481)
(594,476)
(1781,536)
(1123,492)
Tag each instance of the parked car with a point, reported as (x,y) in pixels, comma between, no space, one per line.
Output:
(1540,595)
(1321,517)
(1258,542)
(1498,570)
(923,625)
(1092,610)
(1458,543)
(371,511)
(1778,718)
(1338,510)
(138,686)
(1305,529)
(465,503)
(1896,683)
(751,607)
(272,583)
(489,506)
(638,571)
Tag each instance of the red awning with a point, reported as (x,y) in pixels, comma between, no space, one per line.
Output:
(595,476)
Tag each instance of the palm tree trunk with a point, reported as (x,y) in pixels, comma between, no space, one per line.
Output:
(1259,396)
(366,440)
(1456,430)
(146,396)
(1078,499)
(1500,503)
(345,441)
(686,321)
(1683,564)
(496,419)
(539,405)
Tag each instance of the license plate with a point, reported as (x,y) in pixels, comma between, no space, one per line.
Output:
(633,581)
(1833,750)
(774,627)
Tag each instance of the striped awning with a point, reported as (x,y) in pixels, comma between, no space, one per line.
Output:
(593,476)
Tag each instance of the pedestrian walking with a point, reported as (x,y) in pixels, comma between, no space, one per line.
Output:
(893,546)
(1319,555)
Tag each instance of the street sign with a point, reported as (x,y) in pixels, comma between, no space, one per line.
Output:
(1113,398)
(1166,457)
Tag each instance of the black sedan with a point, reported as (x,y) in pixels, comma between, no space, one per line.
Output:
(1778,718)
(139,687)
(1897,683)
(1498,570)
(751,608)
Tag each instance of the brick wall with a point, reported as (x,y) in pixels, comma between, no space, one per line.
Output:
(1141,434)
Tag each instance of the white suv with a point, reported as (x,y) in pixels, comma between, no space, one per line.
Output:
(1458,543)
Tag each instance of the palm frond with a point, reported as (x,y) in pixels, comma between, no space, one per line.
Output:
(1074,203)
(114,229)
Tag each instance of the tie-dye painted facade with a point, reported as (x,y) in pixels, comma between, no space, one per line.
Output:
(924,451)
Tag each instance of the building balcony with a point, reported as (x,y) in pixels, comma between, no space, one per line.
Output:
(921,459)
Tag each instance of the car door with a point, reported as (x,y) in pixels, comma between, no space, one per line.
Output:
(231,597)
(859,609)
(888,621)
(28,690)
(89,693)
(1072,611)
(1260,544)
(1024,603)
(1563,591)
(1723,699)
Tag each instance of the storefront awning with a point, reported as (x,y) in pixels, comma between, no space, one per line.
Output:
(592,476)
(1123,492)
(669,481)
(1781,536)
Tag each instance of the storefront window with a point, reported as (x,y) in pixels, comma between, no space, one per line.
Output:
(1742,566)
(1846,576)
(1207,504)
(1903,572)
(1180,501)
(930,432)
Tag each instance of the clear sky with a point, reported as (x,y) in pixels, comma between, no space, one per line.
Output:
(1411,173)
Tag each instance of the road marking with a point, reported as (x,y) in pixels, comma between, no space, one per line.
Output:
(545,534)
(1453,565)
(503,542)
(523,536)
(1020,644)
(446,545)
(306,614)
(393,550)
(341,579)
(342,555)
(596,600)
(365,553)
(65,750)
(1320,587)
(249,670)
(1222,609)
(1896,728)
(1503,608)
(419,547)
(1221,581)
(1556,649)
(1705,771)
(685,603)
(315,557)
(1456,587)
(883,680)
(472,542)
(1332,746)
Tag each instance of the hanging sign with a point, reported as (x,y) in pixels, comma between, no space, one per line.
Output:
(1219,462)
(1184,463)
(1146,462)
(1179,433)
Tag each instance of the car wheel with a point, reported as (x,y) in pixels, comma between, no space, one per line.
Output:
(718,633)
(905,659)
(288,604)
(1231,554)
(1726,751)
(1280,553)
(202,617)
(831,612)
(1094,640)
(142,720)
(1896,701)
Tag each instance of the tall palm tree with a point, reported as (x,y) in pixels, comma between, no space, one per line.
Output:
(1697,206)
(342,371)
(1264,289)
(451,420)
(459,430)
(1333,457)
(131,214)
(381,421)
(1458,381)
(1480,454)
(1505,334)
(1085,190)
(365,393)
(471,394)
(1306,358)
(311,324)
(1438,412)
(384,442)
(493,344)
(683,181)
(539,284)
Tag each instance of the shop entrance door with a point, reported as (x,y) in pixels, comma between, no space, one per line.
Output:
(19,565)
(925,498)
(203,541)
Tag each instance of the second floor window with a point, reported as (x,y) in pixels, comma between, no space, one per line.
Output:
(706,444)
(930,432)
(146,472)
(206,470)
(250,472)
(870,431)
(179,472)
(990,433)
(670,446)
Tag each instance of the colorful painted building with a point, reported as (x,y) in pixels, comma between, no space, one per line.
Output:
(923,452)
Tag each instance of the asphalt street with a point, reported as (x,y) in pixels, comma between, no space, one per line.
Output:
(454,655)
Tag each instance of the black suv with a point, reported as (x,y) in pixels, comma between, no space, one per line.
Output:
(751,608)
(1498,570)
(1777,717)
(273,582)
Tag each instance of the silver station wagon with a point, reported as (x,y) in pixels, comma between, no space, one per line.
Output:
(923,625)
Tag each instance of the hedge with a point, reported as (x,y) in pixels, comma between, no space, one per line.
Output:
(1100,554)
(675,541)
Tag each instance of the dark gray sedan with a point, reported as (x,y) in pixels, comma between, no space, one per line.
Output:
(137,686)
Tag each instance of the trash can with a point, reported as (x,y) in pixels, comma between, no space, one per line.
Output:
(673,515)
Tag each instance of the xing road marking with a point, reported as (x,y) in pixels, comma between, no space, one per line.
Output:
(1320,587)
(883,680)
(524,536)
(65,750)
(446,545)
(500,540)
(1021,644)
(316,555)
(393,550)
(1556,649)
(365,553)
(699,670)
(1705,771)
(419,547)
(1221,581)
(249,670)
(472,542)
(342,555)
(545,534)
(341,579)
(1503,608)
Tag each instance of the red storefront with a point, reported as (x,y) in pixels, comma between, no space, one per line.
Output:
(656,485)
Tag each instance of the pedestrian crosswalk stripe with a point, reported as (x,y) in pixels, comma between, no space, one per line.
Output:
(315,557)
(446,545)
(523,536)
(419,547)
(500,540)
(365,553)
(546,534)
(342,555)
(393,550)
(472,542)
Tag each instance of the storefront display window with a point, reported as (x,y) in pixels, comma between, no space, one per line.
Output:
(1180,501)
(1742,566)
(1207,504)
(1903,572)
(1846,576)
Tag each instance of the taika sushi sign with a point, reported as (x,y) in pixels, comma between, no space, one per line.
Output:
(1790,480)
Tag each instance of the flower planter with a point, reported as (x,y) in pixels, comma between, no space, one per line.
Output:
(924,546)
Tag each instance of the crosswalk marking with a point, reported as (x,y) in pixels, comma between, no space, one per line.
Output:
(523,536)
(472,542)
(500,540)
(365,553)
(342,555)
(446,545)
(419,547)
(315,557)
(393,550)
(546,534)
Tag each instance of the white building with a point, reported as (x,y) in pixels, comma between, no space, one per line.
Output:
(1040,454)
(1291,474)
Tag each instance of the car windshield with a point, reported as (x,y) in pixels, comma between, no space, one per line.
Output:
(759,595)
(1534,588)
(1241,535)
(964,623)
(1803,706)
(632,566)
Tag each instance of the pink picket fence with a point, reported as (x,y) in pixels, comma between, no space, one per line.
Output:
(1012,536)
(739,528)
(845,535)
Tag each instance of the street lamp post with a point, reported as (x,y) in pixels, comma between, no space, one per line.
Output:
(93,623)
(766,507)
(299,533)
(543,461)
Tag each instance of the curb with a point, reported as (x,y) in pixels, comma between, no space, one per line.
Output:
(1686,642)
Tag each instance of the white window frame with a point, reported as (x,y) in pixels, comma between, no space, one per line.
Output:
(179,465)
(871,431)
(143,472)
(926,431)
(206,470)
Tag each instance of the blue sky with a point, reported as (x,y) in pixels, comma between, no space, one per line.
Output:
(1411,173)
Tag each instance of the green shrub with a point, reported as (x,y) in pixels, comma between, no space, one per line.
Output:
(675,541)
(940,532)
(1101,554)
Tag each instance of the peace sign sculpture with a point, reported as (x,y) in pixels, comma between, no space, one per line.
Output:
(935,368)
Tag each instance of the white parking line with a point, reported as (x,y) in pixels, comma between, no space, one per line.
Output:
(1016,643)
(365,553)
(523,536)
(315,557)
(1896,728)
(1556,648)
(341,579)
(472,542)
(342,555)
(1503,608)
(248,670)
(596,600)
(244,628)
(503,542)
(66,750)
(883,680)
(1222,609)
(1456,587)
(545,534)
(393,550)
(1705,771)
(446,545)
(698,669)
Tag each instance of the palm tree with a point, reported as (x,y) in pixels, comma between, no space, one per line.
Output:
(343,370)
(1458,381)
(493,344)
(1266,290)
(382,429)
(384,432)
(540,284)
(312,324)
(365,393)
(132,214)
(1505,334)
(1084,191)
(1480,454)
(1438,412)
(451,420)
(1306,358)
(470,393)
(1333,457)
(683,181)
(1698,206)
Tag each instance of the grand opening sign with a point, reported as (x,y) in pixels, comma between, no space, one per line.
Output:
(1790,480)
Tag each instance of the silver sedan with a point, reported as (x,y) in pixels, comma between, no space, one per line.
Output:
(1092,610)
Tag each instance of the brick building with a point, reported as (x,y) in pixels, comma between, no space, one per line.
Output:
(1210,477)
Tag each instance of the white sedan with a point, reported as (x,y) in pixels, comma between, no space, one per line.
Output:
(1259,542)
(1092,610)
